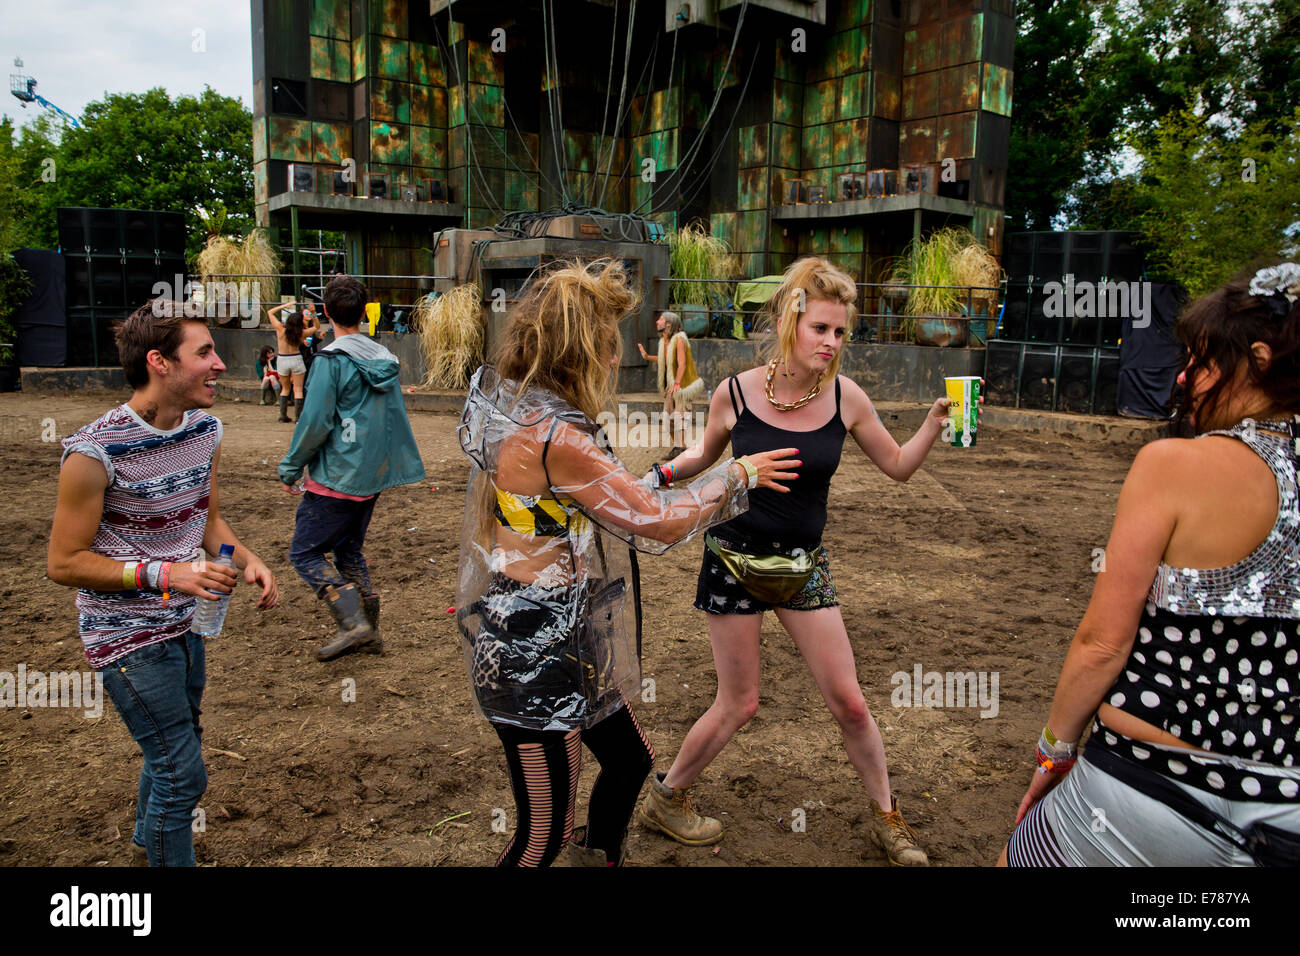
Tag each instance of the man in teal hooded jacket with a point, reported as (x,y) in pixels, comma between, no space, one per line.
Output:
(354,440)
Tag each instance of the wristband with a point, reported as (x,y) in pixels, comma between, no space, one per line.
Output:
(151,572)
(1052,741)
(139,576)
(659,479)
(751,471)
(163,577)
(1055,757)
(128,575)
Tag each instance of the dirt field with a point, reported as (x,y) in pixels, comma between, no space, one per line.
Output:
(982,562)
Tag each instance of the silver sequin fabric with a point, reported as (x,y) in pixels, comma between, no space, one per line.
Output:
(1267,582)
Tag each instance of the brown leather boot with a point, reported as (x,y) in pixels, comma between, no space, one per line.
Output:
(892,834)
(670,812)
(355,632)
(575,854)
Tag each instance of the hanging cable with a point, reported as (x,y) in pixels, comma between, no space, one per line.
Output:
(684,160)
(469,134)
(622,93)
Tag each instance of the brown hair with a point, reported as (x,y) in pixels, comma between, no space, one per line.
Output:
(158,324)
(564,332)
(1218,329)
(819,281)
(345,301)
(293,329)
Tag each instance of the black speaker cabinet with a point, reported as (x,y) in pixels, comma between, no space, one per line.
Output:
(302,178)
(376,186)
(1038,377)
(435,190)
(1002,373)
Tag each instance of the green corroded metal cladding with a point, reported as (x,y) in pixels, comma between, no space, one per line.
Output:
(331,18)
(289,139)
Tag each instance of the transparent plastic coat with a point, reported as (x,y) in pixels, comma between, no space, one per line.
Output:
(547,596)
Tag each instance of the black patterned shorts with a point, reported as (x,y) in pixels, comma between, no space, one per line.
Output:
(719,593)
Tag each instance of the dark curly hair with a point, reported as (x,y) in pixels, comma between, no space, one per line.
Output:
(1218,330)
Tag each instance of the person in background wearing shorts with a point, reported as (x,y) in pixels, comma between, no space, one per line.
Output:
(137,501)
(678,380)
(354,440)
(289,337)
(796,400)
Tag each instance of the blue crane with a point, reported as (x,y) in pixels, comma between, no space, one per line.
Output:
(24,87)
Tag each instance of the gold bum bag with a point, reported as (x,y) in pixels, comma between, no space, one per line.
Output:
(771,578)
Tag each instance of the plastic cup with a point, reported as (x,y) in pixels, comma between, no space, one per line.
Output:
(964,394)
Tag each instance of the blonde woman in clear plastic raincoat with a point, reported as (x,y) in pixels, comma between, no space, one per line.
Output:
(548,593)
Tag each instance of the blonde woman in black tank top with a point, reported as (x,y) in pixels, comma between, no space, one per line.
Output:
(801,402)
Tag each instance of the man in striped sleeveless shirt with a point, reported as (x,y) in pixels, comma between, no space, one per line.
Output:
(137,501)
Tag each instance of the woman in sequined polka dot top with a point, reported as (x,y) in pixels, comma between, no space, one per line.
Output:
(1187,661)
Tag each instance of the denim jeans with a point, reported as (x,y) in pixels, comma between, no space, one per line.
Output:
(157,690)
(335,525)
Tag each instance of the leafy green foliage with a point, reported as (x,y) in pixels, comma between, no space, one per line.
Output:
(1215,203)
(140,151)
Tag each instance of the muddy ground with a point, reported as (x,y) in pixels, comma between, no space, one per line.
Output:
(982,562)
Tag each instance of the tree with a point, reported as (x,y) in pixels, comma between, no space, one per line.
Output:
(1216,202)
(144,151)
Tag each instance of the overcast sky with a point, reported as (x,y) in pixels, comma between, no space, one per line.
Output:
(77,50)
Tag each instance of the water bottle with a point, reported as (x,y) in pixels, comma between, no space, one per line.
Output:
(210,615)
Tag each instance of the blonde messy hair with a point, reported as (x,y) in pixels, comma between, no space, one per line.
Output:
(820,282)
(564,333)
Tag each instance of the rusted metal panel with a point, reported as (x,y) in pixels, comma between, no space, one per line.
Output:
(487,104)
(390,143)
(359,60)
(851,13)
(788,65)
(847,239)
(484,65)
(428,146)
(426,65)
(389,17)
(959,88)
(489,144)
(455,105)
(331,142)
(390,58)
(818,147)
(579,151)
(920,95)
(820,101)
(786,144)
(962,41)
(853,90)
(921,48)
(331,59)
(996,96)
(751,191)
(664,105)
(261,194)
(787,102)
(259,140)
(390,100)
(917,141)
(956,136)
(421,108)
(814,242)
(917,12)
(331,18)
(752,145)
(722,225)
(776,175)
(851,143)
(886,99)
(288,139)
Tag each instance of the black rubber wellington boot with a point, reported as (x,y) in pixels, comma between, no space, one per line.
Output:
(284,407)
(355,632)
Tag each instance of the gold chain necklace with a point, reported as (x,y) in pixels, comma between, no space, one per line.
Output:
(789,406)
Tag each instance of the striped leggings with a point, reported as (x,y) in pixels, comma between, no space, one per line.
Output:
(544,766)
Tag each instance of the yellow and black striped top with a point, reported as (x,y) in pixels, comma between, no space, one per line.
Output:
(542,517)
